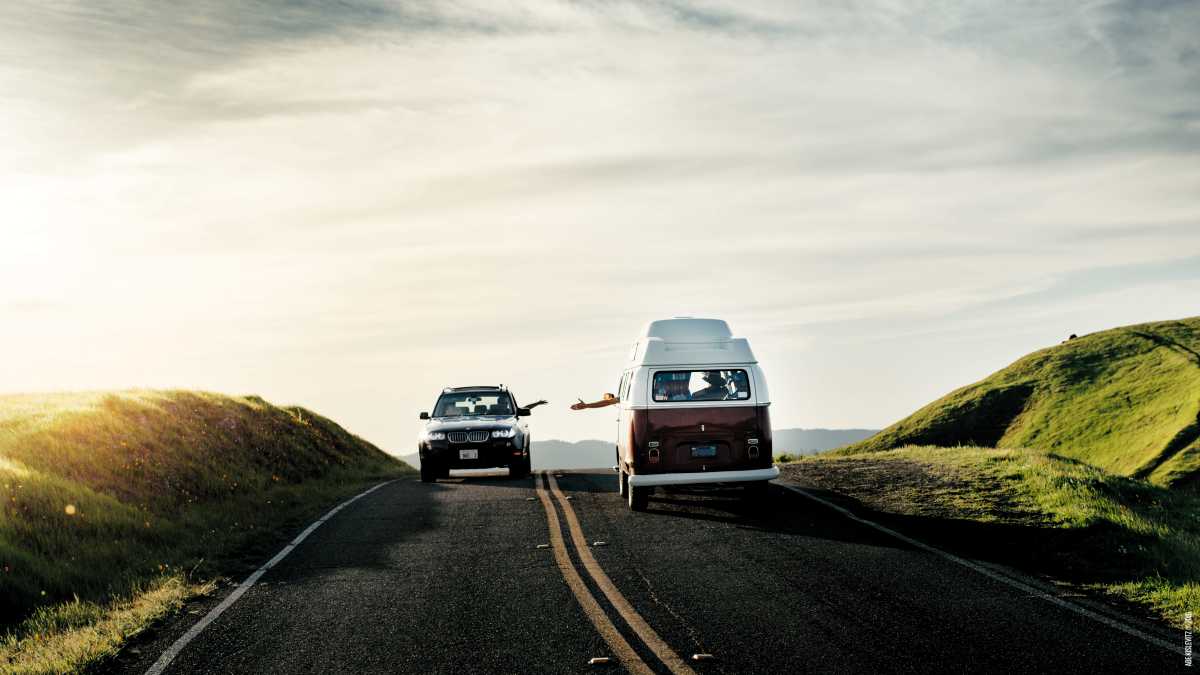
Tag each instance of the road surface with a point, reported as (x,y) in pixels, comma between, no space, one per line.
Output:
(483,574)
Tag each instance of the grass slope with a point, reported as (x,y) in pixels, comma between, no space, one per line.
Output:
(1126,400)
(116,506)
(1044,514)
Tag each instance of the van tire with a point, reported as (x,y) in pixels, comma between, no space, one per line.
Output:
(622,481)
(755,493)
(427,473)
(639,497)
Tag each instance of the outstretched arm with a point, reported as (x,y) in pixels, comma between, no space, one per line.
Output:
(531,406)
(608,400)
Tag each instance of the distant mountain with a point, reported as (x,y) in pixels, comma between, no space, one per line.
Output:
(555,454)
(812,441)
(591,454)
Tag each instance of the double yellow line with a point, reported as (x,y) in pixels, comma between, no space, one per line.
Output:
(619,645)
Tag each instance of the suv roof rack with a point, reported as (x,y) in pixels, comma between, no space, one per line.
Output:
(482,387)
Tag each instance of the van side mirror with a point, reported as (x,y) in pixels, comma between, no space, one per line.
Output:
(424,415)
(524,412)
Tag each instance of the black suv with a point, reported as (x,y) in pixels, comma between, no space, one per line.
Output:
(475,428)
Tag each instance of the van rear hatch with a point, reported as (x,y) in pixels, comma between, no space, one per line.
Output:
(701,438)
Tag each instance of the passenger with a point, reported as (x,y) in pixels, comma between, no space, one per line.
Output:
(741,385)
(608,400)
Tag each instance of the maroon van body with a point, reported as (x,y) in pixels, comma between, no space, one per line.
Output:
(678,430)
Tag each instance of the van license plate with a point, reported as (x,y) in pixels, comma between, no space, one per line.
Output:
(704,451)
(468,454)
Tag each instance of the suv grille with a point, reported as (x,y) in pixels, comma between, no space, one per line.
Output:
(463,436)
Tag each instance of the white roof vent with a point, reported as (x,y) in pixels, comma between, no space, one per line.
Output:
(687,329)
(688,341)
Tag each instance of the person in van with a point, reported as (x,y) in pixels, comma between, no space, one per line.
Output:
(609,399)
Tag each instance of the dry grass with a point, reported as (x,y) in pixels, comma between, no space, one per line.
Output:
(75,635)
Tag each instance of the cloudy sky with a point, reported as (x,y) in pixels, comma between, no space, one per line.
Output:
(349,205)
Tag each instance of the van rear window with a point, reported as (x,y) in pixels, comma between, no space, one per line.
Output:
(701,385)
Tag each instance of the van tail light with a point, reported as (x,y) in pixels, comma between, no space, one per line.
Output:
(653,455)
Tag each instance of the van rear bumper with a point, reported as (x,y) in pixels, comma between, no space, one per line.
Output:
(702,477)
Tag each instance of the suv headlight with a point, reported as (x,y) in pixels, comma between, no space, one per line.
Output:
(435,436)
(504,433)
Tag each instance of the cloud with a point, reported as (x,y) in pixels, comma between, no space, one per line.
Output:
(329,188)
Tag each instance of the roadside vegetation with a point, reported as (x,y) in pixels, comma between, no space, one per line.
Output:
(118,507)
(1126,400)
(1047,515)
(1096,481)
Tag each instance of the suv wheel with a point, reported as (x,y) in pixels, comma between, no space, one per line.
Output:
(428,473)
(519,468)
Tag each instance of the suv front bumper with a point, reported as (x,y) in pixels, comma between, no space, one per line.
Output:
(491,453)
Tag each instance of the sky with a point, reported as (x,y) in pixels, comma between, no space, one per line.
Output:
(351,205)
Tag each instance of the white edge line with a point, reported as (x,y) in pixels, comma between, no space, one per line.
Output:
(169,655)
(1023,587)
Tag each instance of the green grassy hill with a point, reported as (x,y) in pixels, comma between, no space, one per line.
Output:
(1126,400)
(111,501)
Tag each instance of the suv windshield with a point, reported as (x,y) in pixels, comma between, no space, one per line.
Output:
(461,403)
(701,385)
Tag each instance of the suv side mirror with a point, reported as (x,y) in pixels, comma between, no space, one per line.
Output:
(524,412)
(424,415)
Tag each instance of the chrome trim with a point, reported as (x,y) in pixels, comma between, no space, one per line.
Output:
(479,436)
(456,436)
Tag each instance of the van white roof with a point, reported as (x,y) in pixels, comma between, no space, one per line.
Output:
(690,341)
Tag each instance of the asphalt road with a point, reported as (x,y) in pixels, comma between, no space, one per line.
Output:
(449,578)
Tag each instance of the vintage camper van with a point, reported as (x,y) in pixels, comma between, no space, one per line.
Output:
(693,410)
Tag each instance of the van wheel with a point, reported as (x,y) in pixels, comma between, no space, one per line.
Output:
(427,473)
(639,497)
(755,493)
(622,482)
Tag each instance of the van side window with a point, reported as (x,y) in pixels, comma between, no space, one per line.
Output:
(621,393)
(701,385)
(628,385)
